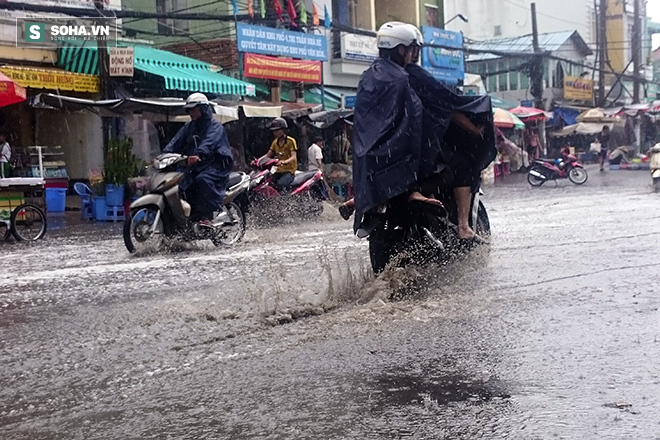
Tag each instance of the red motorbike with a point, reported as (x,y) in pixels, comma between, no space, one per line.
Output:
(565,167)
(304,197)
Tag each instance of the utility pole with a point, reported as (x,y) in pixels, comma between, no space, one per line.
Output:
(602,51)
(104,78)
(636,55)
(103,59)
(536,73)
(536,66)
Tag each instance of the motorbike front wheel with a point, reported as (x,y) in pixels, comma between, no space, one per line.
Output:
(230,234)
(577,175)
(143,230)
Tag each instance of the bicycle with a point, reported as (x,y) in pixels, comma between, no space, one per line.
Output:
(27,223)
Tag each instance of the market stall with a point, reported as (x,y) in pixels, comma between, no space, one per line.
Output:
(510,132)
(534,136)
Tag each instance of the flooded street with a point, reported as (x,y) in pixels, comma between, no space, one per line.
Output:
(552,333)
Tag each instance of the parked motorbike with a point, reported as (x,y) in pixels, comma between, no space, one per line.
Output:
(542,170)
(654,165)
(417,232)
(305,197)
(162,212)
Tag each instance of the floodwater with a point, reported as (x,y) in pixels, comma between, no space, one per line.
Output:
(552,333)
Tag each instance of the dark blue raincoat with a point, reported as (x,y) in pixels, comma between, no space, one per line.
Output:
(442,143)
(402,133)
(204,183)
(387,136)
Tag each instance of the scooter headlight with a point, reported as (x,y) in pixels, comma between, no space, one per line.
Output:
(165,162)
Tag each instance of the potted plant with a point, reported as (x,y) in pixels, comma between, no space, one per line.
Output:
(120,165)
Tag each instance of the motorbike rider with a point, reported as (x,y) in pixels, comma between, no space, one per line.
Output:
(284,149)
(204,141)
(406,155)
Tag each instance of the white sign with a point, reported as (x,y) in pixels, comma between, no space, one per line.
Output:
(358,47)
(122,61)
(471,90)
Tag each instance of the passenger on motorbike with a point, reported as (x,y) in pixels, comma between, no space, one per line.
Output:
(284,149)
(446,162)
(394,85)
(210,161)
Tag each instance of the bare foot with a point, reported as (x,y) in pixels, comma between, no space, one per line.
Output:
(416,196)
(466,233)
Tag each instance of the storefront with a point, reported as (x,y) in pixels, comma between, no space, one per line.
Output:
(73,139)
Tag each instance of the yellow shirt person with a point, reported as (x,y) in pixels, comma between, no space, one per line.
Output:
(284,148)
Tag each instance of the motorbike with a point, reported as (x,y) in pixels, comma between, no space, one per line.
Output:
(163,213)
(418,232)
(305,197)
(567,166)
(654,165)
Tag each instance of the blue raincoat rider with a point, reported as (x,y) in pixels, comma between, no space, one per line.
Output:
(401,116)
(210,160)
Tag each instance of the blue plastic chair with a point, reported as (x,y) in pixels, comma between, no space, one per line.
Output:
(86,200)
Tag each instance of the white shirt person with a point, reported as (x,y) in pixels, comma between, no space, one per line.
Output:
(315,155)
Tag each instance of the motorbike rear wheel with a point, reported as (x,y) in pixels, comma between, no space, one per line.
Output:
(533,180)
(577,175)
(482,228)
(234,233)
(383,244)
(143,230)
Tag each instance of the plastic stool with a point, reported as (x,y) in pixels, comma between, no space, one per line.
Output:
(114,213)
(86,200)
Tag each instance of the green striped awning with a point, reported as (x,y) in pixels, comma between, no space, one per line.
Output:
(178,72)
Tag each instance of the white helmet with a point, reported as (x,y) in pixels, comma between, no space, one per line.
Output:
(394,33)
(196,99)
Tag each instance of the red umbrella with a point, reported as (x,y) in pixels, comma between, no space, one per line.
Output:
(10,92)
(528,112)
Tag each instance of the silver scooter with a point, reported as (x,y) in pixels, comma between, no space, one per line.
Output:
(163,213)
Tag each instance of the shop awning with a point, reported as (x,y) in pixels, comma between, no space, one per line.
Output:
(51,79)
(177,72)
(10,92)
(504,119)
(587,128)
(169,109)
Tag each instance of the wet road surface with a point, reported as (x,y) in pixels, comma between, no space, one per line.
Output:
(553,333)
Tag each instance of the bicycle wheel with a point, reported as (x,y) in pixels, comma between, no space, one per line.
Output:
(28,223)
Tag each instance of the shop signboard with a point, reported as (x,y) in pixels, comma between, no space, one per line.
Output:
(122,61)
(358,47)
(578,89)
(446,63)
(262,66)
(349,101)
(280,42)
(52,79)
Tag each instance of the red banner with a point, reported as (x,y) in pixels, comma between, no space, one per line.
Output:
(261,66)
